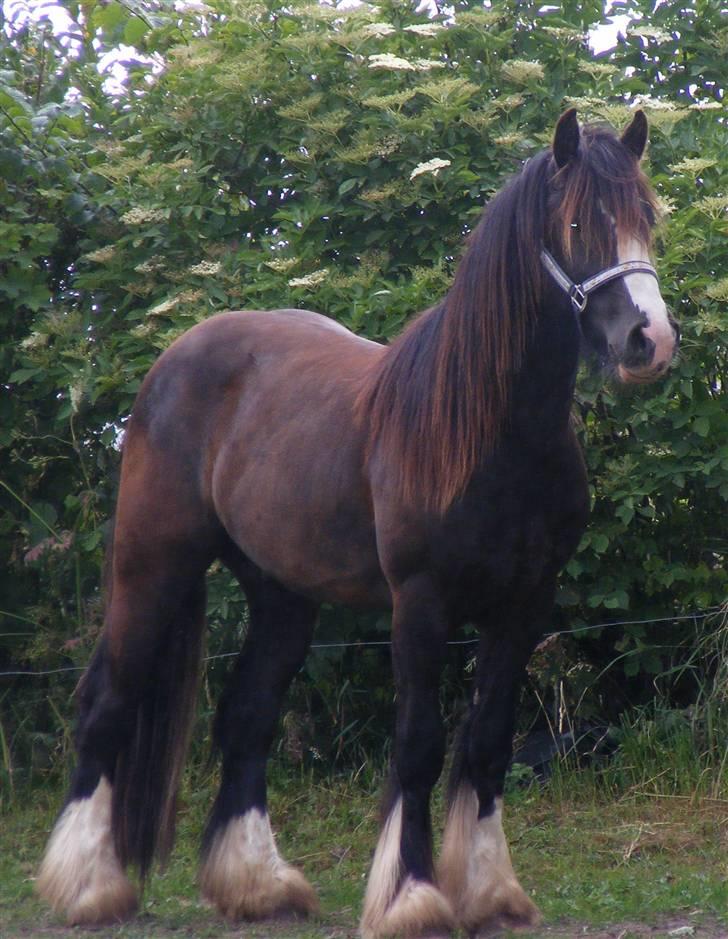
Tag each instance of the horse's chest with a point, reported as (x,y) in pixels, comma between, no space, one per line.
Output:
(509,541)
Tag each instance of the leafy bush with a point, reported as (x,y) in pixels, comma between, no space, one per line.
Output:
(300,155)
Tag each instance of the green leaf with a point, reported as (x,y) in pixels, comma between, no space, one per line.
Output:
(135,30)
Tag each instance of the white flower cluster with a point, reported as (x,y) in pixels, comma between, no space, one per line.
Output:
(650,32)
(431,166)
(522,71)
(155,263)
(34,341)
(693,166)
(718,290)
(395,63)
(101,255)
(379,29)
(656,104)
(714,206)
(140,216)
(76,395)
(164,307)
(309,280)
(425,29)
(205,268)
(704,105)
(280,265)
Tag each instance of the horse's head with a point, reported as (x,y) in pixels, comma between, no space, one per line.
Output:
(601,212)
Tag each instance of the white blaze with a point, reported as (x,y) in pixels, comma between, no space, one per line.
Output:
(644,291)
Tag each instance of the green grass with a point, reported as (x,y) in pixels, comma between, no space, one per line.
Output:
(590,858)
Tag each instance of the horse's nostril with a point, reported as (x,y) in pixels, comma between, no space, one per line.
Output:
(639,349)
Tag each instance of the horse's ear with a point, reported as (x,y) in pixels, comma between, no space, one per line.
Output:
(566,138)
(635,136)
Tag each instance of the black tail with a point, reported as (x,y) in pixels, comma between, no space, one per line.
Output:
(149,766)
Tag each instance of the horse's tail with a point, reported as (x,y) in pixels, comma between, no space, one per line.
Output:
(149,769)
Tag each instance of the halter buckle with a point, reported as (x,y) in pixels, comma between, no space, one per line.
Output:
(578,298)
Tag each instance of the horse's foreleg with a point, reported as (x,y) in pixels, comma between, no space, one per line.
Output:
(475,869)
(242,872)
(402,898)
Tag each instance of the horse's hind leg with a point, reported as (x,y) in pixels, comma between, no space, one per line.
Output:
(136,701)
(475,869)
(81,874)
(242,872)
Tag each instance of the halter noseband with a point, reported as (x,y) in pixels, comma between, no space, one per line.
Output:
(579,293)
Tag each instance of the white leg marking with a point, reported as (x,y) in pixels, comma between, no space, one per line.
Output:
(475,869)
(644,291)
(80,872)
(245,876)
(414,908)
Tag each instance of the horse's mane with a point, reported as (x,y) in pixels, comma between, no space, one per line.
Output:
(438,400)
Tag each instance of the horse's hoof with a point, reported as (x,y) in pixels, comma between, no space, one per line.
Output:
(419,910)
(80,874)
(246,879)
(506,908)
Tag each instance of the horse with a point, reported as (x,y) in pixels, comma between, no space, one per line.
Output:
(439,476)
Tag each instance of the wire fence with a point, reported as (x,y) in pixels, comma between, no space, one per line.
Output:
(363,644)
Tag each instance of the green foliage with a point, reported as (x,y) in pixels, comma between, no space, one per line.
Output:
(298,155)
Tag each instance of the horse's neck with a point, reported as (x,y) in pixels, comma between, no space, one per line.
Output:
(543,390)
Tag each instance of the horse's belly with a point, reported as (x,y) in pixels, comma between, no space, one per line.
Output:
(328,556)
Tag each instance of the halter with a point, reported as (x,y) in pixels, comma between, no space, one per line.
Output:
(579,293)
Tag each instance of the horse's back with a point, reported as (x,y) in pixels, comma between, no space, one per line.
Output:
(252,415)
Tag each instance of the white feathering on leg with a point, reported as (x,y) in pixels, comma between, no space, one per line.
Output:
(475,870)
(385,873)
(244,876)
(80,873)
(413,908)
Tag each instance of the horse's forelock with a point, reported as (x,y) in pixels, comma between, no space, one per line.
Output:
(605,193)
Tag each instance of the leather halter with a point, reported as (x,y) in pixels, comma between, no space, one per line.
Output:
(579,293)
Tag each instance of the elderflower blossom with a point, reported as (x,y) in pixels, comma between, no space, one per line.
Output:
(310,280)
(714,206)
(424,65)
(693,166)
(656,104)
(522,71)
(650,32)
(34,341)
(425,29)
(718,290)
(704,105)
(281,265)
(394,62)
(431,166)
(379,29)
(139,216)
(101,255)
(164,307)
(76,395)
(205,268)
(152,264)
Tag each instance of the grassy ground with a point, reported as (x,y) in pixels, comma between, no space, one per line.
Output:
(597,865)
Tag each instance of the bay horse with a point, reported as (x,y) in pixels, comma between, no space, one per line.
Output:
(439,476)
